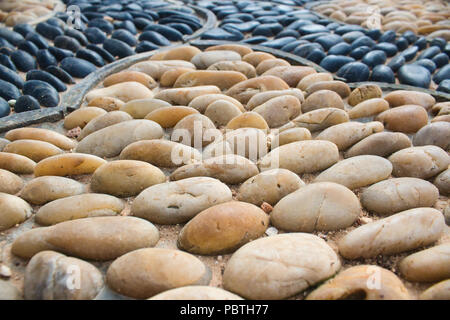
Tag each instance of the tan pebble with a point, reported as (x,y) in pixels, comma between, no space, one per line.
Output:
(127,75)
(81,117)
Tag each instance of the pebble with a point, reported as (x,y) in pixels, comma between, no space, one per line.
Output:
(81,117)
(442,181)
(11,76)
(45,266)
(354,72)
(271,255)
(43,92)
(404,97)
(414,75)
(237,223)
(379,144)
(195,130)
(68,164)
(313,207)
(44,76)
(439,291)
(46,135)
(16,163)
(406,119)
(32,149)
(387,236)
(165,269)
(12,183)
(76,67)
(14,211)
(437,134)
(99,238)
(9,291)
(196,293)
(8,92)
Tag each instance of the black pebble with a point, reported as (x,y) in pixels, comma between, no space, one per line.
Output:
(90,56)
(414,75)
(427,64)
(354,72)
(37,39)
(363,41)
(442,74)
(401,43)
(10,36)
(60,74)
(440,59)
(440,42)
(374,58)
(23,60)
(8,91)
(6,61)
(410,36)
(125,36)
(168,32)
(421,43)
(145,46)
(389,48)
(382,73)
(333,63)
(340,49)
(68,43)
(118,48)
(11,76)
(102,52)
(410,53)
(444,86)
(48,31)
(79,36)
(43,92)
(102,24)
(396,62)
(45,59)
(316,56)
(127,25)
(429,53)
(23,29)
(359,52)
(388,36)
(95,35)
(29,47)
(47,77)
(5,109)
(77,68)
(26,103)
(6,51)
(59,53)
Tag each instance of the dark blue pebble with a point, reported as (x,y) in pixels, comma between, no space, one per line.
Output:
(191,24)
(120,15)
(389,48)
(79,36)
(125,36)
(166,31)
(278,43)
(145,46)
(217,34)
(329,40)
(429,53)
(421,43)
(8,91)
(410,36)
(312,28)
(102,24)
(444,86)
(118,48)
(427,64)
(11,76)
(23,29)
(313,36)
(44,93)
(414,75)
(287,33)
(5,44)
(77,68)
(333,63)
(316,56)
(374,58)
(11,36)
(299,23)
(127,25)
(401,43)
(154,37)
(243,27)
(45,59)
(48,31)
(6,62)
(23,61)
(363,41)
(382,73)
(333,26)
(182,27)
(304,49)
(67,43)
(90,56)
(396,62)
(60,74)
(242,16)
(5,109)
(46,77)
(141,23)
(267,30)
(95,35)
(440,42)
(348,28)
(359,52)
(340,49)
(442,74)
(59,53)
(440,60)
(255,40)
(354,72)
(374,34)
(37,39)
(291,46)
(6,51)
(29,47)
(388,36)
(102,52)
(410,53)
(352,36)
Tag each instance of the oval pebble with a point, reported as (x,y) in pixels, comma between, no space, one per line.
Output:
(14,211)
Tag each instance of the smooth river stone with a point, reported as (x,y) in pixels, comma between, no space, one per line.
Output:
(46,135)
(399,194)
(301,157)
(439,291)
(146,272)
(205,59)
(202,102)
(99,238)
(400,232)
(168,117)
(45,189)
(33,149)
(16,163)
(107,143)
(317,206)
(353,284)
(103,121)
(322,99)
(287,264)
(13,210)
(183,96)
(262,97)
(50,276)
(442,182)
(346,134)
(230,169)
(125,178)
(179,201)
(161,153)
(430,265)
(139,108)
(290,74)
(245,90)
(9,292)
(290,135)
(339,87)
(78,207)
(357,172)
(236,223)
(201,293)
(124,91)
(222,79)
(419,162)
(368,108)
(407,118)
(279,110)
(269,186)
(248,119)
(437,134)
(414,75)
(403,97)
(68,164)
(318,119)
(381,144)
(81,117)
(11,183)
